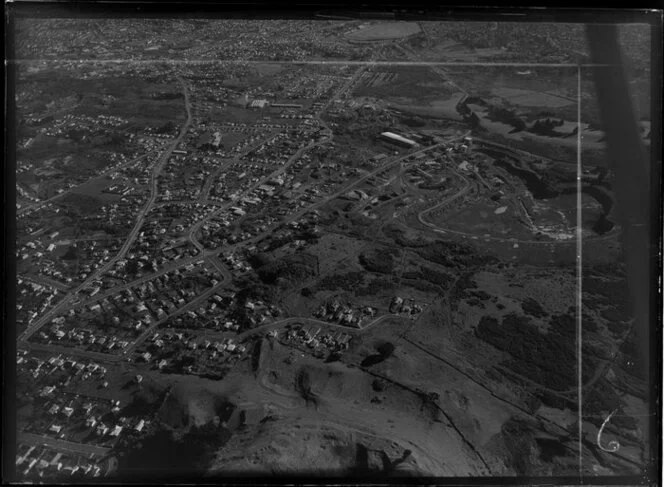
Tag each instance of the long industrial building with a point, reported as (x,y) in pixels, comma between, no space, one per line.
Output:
(398,140)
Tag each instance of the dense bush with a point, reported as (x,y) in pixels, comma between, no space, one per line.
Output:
(291,267)
(632,358)
(400,238)
(350,280)
(424,286)
(546,359)
(386,349)
(452,254)
(507,116)
(533,308)
(615,291)
(378,260)
(435,277)
(162,453)
(602,399)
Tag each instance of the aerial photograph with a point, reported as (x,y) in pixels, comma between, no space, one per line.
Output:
(330,246)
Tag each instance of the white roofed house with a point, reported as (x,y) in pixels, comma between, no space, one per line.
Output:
(139,427)
(102,429)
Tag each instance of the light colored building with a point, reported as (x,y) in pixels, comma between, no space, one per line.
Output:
(398,139)
(258,104)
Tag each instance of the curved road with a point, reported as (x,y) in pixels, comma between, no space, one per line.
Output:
(420,216)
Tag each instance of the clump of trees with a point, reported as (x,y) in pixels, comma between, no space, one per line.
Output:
(349,280)
(533,308)
(549,359)
(506,116)
(546,359)
(547,127)
(384,351)
(162,454)
(292,267)
(453,254)
(379,260)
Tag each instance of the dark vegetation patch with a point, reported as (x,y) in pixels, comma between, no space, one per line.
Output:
(349,280)
(464,286)
(549,359)
(436,277)
(533,308)
(383,351)
(506,116)
(162,454)
(602,399)
(454,255)
(294,267)
(632,358)
(401,238)
(518,439)
(550,449)
(303,386)
(380,259)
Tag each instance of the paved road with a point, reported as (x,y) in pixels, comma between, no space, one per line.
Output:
(191,304)
(221,267)
(314,322)
(130,239)
(209,253)
(203,197)
(420,216)
(345,87)
(170,266)
(298,214)
(194,228)
(151,202)
(84,448)
(107,357)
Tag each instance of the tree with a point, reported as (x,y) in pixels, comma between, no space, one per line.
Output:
(386,349)
(306,292)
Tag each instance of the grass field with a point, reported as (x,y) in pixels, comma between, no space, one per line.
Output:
(385,31)
(480,219)
(417,85)
(443,108)
(94,189)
